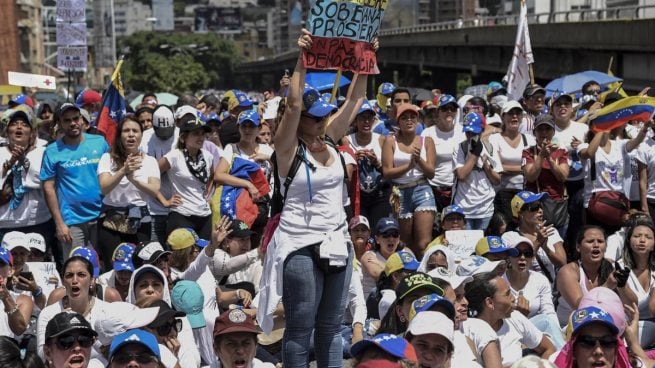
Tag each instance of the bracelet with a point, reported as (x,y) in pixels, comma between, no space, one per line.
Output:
(38,293)
(14,310)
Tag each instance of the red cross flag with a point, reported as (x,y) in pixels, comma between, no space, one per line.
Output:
(32,80)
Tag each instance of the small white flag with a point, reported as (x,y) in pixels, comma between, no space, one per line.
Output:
(32,80)
(518,74)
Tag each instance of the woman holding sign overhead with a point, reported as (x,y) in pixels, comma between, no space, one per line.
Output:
(310,255)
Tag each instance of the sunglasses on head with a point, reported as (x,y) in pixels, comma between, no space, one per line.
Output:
(589,342)
(139,358)
(527,253)
(390,234)
(166,329)
(66,342)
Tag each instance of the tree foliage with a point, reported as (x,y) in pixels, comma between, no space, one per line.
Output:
(177,62)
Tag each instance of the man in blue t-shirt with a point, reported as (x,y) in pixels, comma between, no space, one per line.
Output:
(70,181)
(388,126)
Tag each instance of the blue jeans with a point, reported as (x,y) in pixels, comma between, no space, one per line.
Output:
(477,224)
(313,301)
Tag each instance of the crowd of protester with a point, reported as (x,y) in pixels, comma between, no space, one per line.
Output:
(470,232)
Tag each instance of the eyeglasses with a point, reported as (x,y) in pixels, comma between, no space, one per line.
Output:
(528,253)
(592,92)
(139,358)
(166,329)
(532,207)
(448,108)
(66,342)
(589,342)
(391,234)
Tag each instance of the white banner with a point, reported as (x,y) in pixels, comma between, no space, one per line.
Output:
(32,80)
(45,275)
(71,34)
(462,242)
(72,58)
(71,11)
(518,74)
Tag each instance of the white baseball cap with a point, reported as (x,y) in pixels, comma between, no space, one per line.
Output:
(475,264)
(510,105)
(15,239)
(359,220)
(183,110)
(512,238)
(122,317)
(36,241)
(453,279)
(430,322)
(162,117)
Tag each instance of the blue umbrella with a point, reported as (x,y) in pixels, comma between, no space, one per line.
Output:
(573,83)
(325,80)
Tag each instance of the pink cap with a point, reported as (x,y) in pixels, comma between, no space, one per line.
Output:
(607,300)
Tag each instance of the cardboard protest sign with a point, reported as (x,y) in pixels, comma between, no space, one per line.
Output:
(342,33)
(462,242)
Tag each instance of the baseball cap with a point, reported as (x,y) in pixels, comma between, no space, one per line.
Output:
(424,303)
(242,98)
(366,107)
(315,104)
(406,107)
(428,105)
(187,297)
(453,209)
(24,114)
(65,107)
(122,317)
(533,89)
(400,261)
(523,198)
(385,224)
(544,119)
(587,315)
(513,239)
(473,123)
(199,242)
(88,254)
(185,110)
(6,257)
(499,100)
(67,321)
(451,277)
(85,116)
(429,322)
(475,265)
(15,239)
(394,345)
(511,105)
(180,238)
(240,229)
(213,117)
(164,314)
(234,320)
(416,281)
(495,87)
(607,300)
(22,99)
(249,115)
(36,241)
(189,123)
(88,96)
(446,99)
(559,95)
(494,245)
(122,257)
(162,117)
(151,252)
(136,336)
(386,89)
(359,220)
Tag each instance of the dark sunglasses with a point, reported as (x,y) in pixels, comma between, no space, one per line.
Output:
(532,207)
(589,342)
(391,234)
(528,253)
(139,358)
(314,118)
(66,342)
(166,329)
(448,108)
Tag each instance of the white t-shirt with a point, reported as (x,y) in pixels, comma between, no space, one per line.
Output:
(610,169)
(475,194)
(445,144)
(125,193)
(157,148)
(538,292)
(646,155)
(480,334)
(232,150)
(187,186)
(643,295)
(516,331)
(565,137)
(614,250)
(32,209)
(510,156)
(374,145)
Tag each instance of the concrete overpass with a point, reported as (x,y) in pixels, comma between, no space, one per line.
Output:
(436,55)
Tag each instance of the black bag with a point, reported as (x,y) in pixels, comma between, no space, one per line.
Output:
(556,212)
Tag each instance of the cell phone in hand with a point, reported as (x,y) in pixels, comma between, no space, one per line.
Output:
(28,275)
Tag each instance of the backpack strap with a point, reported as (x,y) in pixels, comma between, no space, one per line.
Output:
(298,158)
(525,140)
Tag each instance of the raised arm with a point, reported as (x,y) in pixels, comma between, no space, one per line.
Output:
(590,151)
(636,141)
(340,121)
